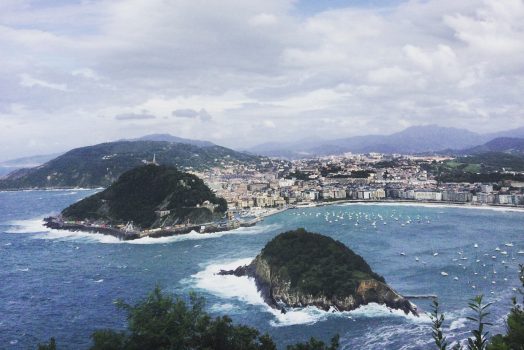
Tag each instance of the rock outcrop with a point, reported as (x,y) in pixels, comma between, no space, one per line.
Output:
(286,281)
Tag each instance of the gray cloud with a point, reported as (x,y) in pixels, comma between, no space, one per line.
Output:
(192,113)
(134,116)
(336,73)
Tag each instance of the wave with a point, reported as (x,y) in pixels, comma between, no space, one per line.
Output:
(244,290)
(36,226)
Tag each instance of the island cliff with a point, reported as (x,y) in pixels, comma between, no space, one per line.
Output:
(150,197)
(299,268)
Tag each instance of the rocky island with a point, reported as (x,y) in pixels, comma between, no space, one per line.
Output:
(299,268)
(150,200)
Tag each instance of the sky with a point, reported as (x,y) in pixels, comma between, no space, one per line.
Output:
(240,72)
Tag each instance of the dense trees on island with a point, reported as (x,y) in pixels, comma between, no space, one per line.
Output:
(316,264)
(140,192)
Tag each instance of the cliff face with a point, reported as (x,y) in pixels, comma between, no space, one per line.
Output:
(280,291)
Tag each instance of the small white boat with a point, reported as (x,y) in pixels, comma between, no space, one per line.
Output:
(402,253)
(444,273)
(497,249)
(416,258)
(509,244)
(435,254)
(455,278)
(475,245)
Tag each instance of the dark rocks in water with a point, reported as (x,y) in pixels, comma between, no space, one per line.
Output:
(299,268)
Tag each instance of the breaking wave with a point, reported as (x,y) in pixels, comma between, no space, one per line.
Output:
(36,226)
(244,290)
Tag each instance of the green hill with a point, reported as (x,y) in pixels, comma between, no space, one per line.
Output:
(300,268)
(140,192)
(316,264)
(100,165)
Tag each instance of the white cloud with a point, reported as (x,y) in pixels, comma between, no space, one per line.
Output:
(262,20)
(28,81)
(335,73)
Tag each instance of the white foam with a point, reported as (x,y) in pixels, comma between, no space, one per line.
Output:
(36,225)
(458,323)
(245,290)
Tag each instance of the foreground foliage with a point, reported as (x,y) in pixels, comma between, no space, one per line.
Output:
(161,322)
(512,340)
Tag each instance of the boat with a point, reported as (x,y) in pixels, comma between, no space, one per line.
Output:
(444,273)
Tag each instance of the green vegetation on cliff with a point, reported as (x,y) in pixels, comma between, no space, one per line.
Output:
(100,165)
(316,264)
(138,193)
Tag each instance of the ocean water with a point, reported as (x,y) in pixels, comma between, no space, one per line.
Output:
(64,284)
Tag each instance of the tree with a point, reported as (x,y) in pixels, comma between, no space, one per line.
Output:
(163,322)
(314,344)
(480,338)
(514,337)
(437,319)
(48,346)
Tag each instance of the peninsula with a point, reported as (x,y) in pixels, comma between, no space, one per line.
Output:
(299,268)
(150,200)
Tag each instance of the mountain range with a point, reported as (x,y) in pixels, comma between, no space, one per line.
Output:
(100,165)
(413,140)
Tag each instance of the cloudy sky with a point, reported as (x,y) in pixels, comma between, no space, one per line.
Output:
(239,72)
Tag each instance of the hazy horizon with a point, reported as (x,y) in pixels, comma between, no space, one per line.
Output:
(239,73)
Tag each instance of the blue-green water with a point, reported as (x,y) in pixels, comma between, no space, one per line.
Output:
(64,284)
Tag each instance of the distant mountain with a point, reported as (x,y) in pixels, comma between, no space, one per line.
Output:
(100,165)
(416,139)
(174,139)
(289,150)
(515,133)
(501,144)
(11,165)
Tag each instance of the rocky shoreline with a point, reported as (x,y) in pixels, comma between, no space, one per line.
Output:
(126,235)
(278,294)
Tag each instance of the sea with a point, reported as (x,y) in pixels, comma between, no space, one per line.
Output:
(64,284)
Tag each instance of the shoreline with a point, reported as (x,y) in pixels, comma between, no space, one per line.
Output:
(388,202)
(57,224)
(209,228)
